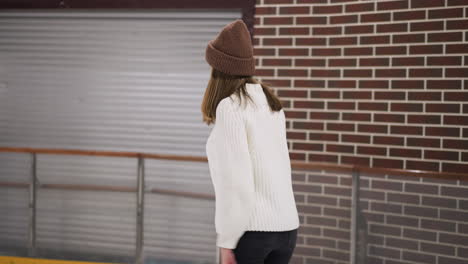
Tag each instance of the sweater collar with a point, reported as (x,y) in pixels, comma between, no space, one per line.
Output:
(253,87)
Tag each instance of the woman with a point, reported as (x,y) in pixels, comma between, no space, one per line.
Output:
(256,218)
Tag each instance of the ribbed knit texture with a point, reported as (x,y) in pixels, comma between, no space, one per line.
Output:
(250,169)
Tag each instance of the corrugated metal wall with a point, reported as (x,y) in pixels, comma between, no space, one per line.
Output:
(14,202)
(122,81)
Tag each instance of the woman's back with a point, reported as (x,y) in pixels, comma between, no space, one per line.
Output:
(275,208)
(254,164)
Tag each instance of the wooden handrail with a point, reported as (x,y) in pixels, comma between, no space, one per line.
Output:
(107,188)
(294,165)
(123,154)
(370,170)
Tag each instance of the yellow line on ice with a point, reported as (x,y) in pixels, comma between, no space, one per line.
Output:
(24,260)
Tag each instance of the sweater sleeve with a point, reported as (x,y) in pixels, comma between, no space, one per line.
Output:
(233,181)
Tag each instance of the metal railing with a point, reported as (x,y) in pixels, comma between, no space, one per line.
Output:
(355,171)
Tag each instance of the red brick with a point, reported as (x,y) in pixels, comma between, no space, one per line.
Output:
(311,20)
(327,9)
(437,224)
(442,131)
(386,252)
(401,243)
(310,41)
(425,119)
(265,10)
(457,2)
(342,62)
(391,5)
(293,52)
(457,48)
(366,40)
(407,84)
(371,150)
(426,49)
(418,257)
(423,142)
(277,20)
(408,38)
(419,234)
(427,26)
(444,60)
(360,7)
(425,3)
(341,83)
(407,61)
(409,15)
(407,153)
(457,24)
(445,84)
(359,51)
(343,41)
(394,27)
(335,254)
(359,29)
(293,10)
(326,30)
(446,13)
(453,239)
(385,73)
(404,198)
(343,19)
(443,108)
(439,202)
(342,106)
(294,30)
(385,229)
(326,52)
(266,2)
(324,73)
(456,72)
(422,165)
(425,72)
(365,62)
(389,118)
(376,17)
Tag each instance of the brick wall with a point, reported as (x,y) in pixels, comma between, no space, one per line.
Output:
(381,84)
(376,83)
(406,220)
(323,200)
(415,220)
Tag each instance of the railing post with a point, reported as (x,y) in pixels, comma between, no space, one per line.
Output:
(140,209)
(32,209)
(354,215)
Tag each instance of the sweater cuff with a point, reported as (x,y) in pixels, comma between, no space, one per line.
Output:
(227,241)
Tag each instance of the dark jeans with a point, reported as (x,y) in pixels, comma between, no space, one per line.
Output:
(269,247)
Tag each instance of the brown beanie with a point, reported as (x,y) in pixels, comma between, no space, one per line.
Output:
(231,51)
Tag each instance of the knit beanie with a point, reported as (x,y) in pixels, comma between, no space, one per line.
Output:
(231,51)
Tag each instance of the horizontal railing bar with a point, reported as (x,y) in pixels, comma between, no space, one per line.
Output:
(122,154)
(415,173)
(363,169)
(183,193)
(86,187)
(294,164)
(14,184)
(90,187)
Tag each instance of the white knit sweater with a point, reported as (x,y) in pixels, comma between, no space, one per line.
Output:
(250,169)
